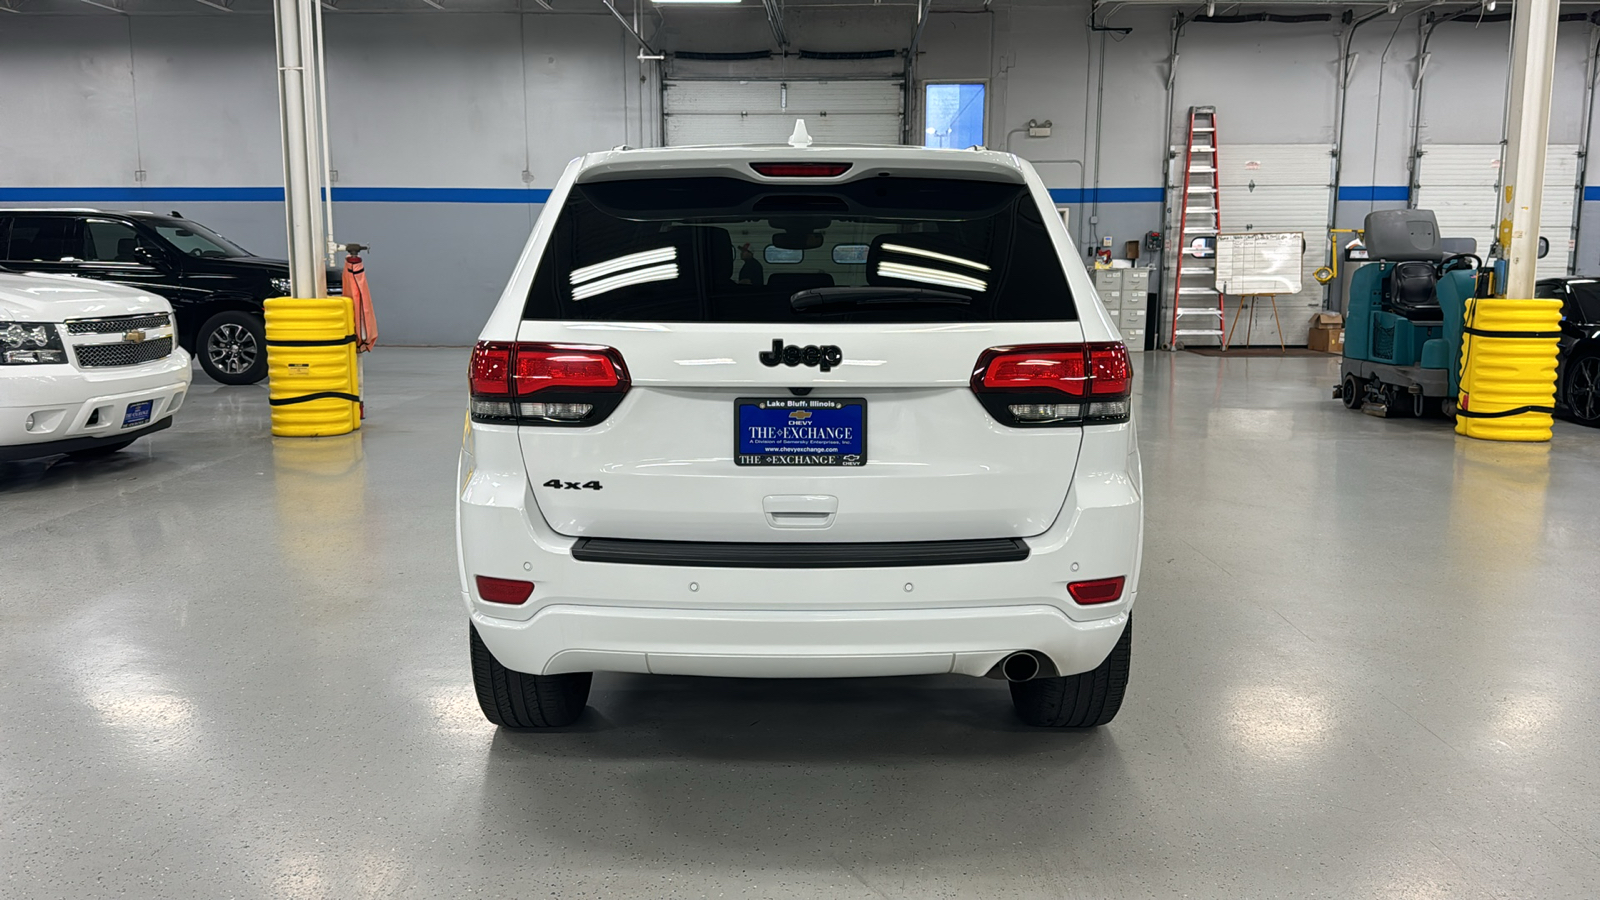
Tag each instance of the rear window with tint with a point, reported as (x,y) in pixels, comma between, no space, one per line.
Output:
(881,249)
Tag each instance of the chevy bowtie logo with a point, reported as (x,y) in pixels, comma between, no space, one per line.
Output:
(824,357)
(136,336)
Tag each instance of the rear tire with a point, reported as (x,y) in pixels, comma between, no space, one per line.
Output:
(1353,392)
(232,348)
(1078,701)
(102,450)
(517,700)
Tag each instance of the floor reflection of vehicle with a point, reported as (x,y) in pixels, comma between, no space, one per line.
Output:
(215,286)
(85,369)
(1578,366)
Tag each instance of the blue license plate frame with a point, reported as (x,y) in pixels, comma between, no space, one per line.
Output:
(138,413)
(800,431)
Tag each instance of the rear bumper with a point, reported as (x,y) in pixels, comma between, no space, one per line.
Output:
(797,644)
(746,621)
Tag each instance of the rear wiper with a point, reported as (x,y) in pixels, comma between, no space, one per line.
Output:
(832,297)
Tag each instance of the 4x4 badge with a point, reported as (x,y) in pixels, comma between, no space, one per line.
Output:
(824,357)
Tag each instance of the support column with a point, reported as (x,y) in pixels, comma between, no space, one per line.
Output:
(1508,346)
(1533,58)
(299,105)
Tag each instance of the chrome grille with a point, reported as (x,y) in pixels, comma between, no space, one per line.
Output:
(115,324)
(99,356)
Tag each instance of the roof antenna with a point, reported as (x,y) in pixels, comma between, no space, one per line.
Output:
(801,137)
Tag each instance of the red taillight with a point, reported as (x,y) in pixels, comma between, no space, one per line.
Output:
(801,170)
(1110,370)
(1063,369)
(1055,384)
(540,367)
(504,590)
(575,384)
(1100,590)
(490,371)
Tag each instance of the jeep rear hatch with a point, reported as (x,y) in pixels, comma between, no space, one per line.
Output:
(744,359)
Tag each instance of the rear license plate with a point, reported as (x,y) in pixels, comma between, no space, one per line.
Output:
(799,431)
(138,413)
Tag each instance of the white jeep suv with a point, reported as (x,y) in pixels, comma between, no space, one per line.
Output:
(797,412)
(86,368)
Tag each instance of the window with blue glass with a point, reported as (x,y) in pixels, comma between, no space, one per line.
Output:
(954,115)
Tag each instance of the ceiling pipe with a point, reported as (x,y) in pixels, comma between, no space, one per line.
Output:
(643,44)
(1591,70)
(775,22)
(910,69)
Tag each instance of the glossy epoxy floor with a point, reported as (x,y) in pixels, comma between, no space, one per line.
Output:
(1367,665)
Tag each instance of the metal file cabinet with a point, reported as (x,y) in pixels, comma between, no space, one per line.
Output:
(1126,295)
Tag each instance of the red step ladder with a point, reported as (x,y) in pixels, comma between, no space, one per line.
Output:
(1196,302)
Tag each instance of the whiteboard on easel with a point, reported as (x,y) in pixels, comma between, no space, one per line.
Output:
(1260,262)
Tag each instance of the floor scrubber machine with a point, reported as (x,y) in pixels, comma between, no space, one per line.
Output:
(1404,323)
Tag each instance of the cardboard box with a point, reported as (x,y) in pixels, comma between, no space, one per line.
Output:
(1327,333)
(1327,340)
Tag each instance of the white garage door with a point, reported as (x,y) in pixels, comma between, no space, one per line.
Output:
(1459,182)
(763,112)
(1277,187)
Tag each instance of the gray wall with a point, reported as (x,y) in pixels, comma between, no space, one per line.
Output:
(475,100)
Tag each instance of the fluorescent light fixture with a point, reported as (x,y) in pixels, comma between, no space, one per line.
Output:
(930,276)
(667,272)
(622,263)
(929,254)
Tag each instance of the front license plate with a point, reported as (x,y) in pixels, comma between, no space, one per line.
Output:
(138,413)
(800,431)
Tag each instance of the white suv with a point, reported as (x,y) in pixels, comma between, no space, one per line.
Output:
(796,412)
(86,368)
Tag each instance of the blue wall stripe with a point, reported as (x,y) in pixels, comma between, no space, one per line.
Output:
(1591,192)
(149,195)
(1374,192)
(140,195)
(1108,195)
(440,195)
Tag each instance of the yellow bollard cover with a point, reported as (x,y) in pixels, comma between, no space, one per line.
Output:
(1508,369)
(311,366)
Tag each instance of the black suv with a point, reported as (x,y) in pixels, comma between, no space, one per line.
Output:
(1578,365)
(215,286)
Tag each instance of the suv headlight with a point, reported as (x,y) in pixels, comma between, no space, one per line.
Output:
(280,286)
(30,343)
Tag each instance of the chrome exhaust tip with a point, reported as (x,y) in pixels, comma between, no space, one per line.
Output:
(1022,665)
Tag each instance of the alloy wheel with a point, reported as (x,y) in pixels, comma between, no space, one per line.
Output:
(232,349)
(1583,389)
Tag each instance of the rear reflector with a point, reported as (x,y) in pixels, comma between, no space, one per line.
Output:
(801,170)
(1101,590)
(504,590)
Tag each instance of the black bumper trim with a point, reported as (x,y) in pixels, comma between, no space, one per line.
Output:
(72,445)
(761,555)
